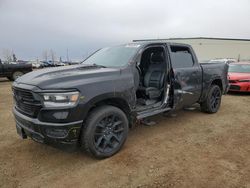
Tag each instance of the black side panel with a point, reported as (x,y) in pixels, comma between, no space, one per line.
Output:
(8,69)
(187,76)
(212,72)
(188,86)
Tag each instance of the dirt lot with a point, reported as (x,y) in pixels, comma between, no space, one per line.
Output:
(192,149)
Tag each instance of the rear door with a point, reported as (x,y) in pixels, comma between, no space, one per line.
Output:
(187,76)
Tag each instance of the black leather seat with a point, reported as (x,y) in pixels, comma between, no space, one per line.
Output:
(154,77)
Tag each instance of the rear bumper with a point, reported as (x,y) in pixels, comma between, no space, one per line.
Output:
(43,132)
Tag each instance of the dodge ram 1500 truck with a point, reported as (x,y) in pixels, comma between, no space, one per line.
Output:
(13,71)
(95,103)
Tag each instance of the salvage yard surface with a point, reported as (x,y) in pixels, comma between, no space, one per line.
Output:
(192,149)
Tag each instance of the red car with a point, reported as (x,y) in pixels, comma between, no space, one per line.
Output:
(239,76)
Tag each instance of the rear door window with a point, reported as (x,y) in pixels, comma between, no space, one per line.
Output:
(181,57)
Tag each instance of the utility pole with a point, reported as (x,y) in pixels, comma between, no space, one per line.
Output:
(67,55)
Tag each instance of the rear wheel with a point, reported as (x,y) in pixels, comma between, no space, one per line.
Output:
(16,75)
(105,131)
(213,100)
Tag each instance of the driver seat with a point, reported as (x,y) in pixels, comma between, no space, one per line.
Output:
(154,77)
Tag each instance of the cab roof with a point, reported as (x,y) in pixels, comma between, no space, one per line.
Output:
(146,43)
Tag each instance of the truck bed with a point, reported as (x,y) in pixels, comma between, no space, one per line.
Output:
(212,71)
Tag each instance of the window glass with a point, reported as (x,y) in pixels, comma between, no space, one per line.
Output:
(181,57)
(113,56)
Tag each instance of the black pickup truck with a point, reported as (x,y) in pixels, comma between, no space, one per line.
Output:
(13,71)
(94,103)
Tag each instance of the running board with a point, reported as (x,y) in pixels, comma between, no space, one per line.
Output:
(151,113)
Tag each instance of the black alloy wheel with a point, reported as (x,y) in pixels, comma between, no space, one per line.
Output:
(109,133)
(213,100)
(105,131)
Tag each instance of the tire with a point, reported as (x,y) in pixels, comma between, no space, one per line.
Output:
(213,100)
(16,75)
(105,131)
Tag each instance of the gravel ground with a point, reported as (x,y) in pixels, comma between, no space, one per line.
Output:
(192,149)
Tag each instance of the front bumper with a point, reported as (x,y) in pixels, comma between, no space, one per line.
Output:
(240,87)
(43,132)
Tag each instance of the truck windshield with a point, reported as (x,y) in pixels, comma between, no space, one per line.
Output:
(116,56)
(241,68)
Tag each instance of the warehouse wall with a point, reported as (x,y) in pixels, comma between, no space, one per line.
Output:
(212,48)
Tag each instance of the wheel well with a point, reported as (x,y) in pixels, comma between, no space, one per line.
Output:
(117,102)
(218,82)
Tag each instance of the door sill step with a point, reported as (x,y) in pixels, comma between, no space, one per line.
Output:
(151,113)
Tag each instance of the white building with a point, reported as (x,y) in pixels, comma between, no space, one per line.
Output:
(212,48)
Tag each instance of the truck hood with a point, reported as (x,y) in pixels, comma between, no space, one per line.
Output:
(67,76)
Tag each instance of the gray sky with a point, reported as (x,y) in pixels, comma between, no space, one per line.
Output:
(28,27)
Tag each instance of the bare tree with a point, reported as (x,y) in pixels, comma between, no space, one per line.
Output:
(67,55)
(52,55)
(14,57)
(7,55)
(45,55)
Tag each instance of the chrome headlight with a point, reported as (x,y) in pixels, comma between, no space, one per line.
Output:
(67,99)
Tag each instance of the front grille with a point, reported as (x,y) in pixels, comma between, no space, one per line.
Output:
(26,103)
(234,87)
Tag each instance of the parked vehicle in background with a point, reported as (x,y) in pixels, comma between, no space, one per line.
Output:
(96,102)
(239,76)
(36,64)
(226,60)
(57,64)
(13,71)
(45,64)
(204,61)
(11,63)
(73,63)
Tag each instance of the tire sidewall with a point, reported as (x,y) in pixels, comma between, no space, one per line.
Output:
(212,89)
(90,127)
(14,77)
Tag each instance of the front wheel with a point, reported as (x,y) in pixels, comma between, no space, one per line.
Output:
(212,103)
(105,131)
